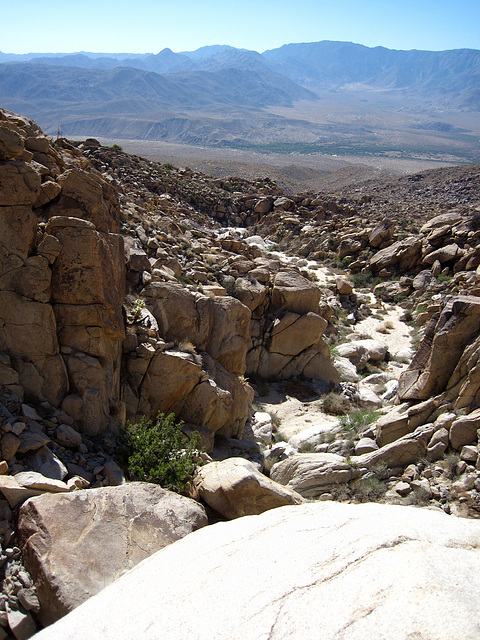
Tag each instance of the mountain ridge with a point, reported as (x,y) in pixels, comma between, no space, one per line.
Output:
(226,84)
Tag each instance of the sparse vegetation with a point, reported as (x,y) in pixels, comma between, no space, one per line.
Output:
(370,489)
(157,451)
(336,404)
(359,419)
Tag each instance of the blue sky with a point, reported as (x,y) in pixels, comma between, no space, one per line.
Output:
(151,25)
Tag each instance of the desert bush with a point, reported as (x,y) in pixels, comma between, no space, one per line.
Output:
(359,419)
(336,404)
(157,451)
(370,489)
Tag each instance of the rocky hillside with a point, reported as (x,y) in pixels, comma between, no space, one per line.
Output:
(130,288)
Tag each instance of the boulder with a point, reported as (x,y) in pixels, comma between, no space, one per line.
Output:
(220,326)
(464,430)
(311,474)
(294,292)
(77,543)
(293,333)
(401,420)
(403,451)
(19,183)
(383,232)
(404,253)
(359,352)
(235,488)
(418,570)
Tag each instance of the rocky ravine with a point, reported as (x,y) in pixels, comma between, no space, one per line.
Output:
(130,288)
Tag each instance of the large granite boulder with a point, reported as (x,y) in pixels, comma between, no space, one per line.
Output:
(235,488)
(311,474)
(77,543)
(321,570)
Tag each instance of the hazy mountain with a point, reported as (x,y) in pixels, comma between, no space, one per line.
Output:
(454,75)
(223,94)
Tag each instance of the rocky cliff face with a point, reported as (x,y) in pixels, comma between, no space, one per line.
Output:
(63,278)
(76,240)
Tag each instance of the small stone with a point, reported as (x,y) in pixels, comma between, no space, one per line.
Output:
(3,467)
(21,623)
(402,488)
(15,493)
(77,482)
(35,480)
(469,453)
(10,444)
(28,599)
(113,473)
(29,412)
(67,436)
(18,428)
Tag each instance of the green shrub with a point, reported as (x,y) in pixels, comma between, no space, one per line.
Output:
(370,489)
(116,147)
(157,451)
(359,419)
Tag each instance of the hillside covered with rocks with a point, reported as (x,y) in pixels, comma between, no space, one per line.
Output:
(131,288)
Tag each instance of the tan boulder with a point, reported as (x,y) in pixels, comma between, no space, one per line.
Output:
(444,254)
(176,383)
(220,326)
(235,488)
(11,143)
(28,328)
(103,533)
(18,231)
(292,333)
(86,195)
(403,451)
(405,253)
(383,232)
(90,268)
(311,474)
(294,292)
(251,294)
(444,219)
(402,420)
(359,352)
(230,334)
(464,430)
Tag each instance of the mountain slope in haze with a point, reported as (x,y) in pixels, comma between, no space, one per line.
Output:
(454,75)
(223,95)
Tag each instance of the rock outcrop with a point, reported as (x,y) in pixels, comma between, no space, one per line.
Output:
(327,550)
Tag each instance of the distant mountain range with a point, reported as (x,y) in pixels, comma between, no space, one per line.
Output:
(221,94)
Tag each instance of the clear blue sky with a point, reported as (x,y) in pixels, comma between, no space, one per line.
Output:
(151,25)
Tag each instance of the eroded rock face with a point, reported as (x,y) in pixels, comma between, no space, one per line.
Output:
(446,339)
(327,550)
(63,283)
(77,543)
